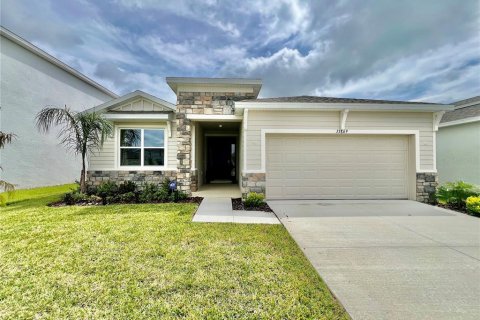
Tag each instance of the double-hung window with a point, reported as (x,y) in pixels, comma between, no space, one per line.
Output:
(142,147)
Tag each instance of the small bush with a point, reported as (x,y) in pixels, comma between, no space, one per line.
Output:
(148,193)
(455,194)
(107,189)
(74,197)
(128,197)
(127,187)
(473,205)
(254,200)
(160,193)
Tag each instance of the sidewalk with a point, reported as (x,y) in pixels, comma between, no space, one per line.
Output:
(220,210)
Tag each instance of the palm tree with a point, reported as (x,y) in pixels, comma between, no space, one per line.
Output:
(80,132)
(4,139)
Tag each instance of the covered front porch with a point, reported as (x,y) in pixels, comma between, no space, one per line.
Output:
(216,157)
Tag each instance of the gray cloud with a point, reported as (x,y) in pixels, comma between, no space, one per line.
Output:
(422,50)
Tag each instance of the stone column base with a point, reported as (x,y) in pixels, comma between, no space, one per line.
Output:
(253,182)
(427,183)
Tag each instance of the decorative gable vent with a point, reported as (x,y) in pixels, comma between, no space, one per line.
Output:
(141,105)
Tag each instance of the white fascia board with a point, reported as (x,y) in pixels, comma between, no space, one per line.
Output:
(137,116)
(130,96)
(212,118)
(44,55)
(342,106)
(174,82)
(458,122)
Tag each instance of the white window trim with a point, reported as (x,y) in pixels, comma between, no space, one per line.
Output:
(264,132)
(141,168)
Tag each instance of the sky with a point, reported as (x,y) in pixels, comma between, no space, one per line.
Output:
(413,50)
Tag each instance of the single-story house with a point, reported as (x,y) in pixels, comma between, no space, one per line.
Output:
(458,147)
(301,147)
(30,80)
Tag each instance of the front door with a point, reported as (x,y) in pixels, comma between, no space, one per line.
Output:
(221,159)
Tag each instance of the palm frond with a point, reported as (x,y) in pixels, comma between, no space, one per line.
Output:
(6,138)
(6,186)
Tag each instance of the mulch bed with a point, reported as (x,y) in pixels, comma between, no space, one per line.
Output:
(451,208)
(237,204)
(196,200)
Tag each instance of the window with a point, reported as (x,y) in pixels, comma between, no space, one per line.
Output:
(142,147)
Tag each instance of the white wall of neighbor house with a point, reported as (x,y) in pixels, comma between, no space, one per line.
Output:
(29,83)
(106,158)
(330,120)
(458,153)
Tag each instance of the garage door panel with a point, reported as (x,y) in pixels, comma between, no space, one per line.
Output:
(337,167)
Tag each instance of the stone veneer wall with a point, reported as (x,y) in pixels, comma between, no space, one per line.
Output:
(426,186)
(210,103)
(253,182)
(95,178)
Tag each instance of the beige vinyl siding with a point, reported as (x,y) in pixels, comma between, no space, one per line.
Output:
(104,159)
(272,119)
(356,120)
(422,121)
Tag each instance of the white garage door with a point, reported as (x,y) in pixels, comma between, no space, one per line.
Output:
(337,167)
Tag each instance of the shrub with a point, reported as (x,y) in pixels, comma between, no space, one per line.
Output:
(160,193)
(127,187)
(107,189)
(473,205)
(128,197)
(254,199)
(455,194)
(148,193)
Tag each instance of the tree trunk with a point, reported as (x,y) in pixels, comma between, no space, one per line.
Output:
(83,185)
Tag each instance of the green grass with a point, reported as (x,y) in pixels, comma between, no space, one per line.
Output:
(149,261)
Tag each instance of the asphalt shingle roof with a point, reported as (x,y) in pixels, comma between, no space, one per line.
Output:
(463,112)
(315,99)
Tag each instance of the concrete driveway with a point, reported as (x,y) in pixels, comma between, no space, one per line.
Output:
(390,259)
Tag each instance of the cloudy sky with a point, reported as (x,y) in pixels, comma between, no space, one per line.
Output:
(425,50)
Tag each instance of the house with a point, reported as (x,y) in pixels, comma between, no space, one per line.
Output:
(30,80)
(458,147)
(302,147)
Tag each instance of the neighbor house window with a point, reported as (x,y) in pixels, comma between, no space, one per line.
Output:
(142,147)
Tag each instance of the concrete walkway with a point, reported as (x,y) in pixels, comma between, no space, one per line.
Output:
(216,209)
(390,259)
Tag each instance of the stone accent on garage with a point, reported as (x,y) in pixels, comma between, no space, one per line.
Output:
(427,183)
(95,178)
(207,103)
(253,182)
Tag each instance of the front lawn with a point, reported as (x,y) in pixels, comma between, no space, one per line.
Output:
(149,261)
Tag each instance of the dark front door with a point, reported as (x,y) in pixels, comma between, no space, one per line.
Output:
(221,159)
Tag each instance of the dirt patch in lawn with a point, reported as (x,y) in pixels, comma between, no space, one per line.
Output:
(237,204)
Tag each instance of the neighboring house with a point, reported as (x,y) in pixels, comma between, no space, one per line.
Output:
(458,143)
(290,148)
(30,80)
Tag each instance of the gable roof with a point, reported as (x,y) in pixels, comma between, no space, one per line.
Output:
(130,97)
(464,109)
(316,99)
(4,32)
